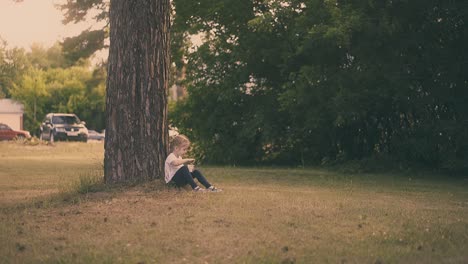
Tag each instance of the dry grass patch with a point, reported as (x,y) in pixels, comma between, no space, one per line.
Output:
(264,215)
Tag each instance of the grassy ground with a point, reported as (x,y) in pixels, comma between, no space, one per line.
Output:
(265,215)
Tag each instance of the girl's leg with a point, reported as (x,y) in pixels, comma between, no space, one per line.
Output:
(183,177)
(199,176)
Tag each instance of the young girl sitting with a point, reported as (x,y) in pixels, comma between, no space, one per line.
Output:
(180,171)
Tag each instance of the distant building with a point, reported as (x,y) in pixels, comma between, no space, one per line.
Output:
(177,91)
(11,113)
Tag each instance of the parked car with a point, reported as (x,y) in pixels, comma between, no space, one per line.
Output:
(94,135)
(6,133)
(58,126)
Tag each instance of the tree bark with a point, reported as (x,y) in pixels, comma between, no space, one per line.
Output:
(136,99)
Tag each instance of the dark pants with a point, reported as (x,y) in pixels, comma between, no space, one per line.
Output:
(183,177)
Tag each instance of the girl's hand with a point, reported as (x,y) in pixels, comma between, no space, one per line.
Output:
(190,160)
(191,167)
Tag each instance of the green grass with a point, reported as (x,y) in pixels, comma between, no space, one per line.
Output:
(55,209)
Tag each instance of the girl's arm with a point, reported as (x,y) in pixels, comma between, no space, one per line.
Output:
(178,162)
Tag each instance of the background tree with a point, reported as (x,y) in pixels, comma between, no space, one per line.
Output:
(136,100)
(47,58)
(317,81)
(70,83)
(84,45)
(44,81)
(78,90)
(13,64)
(32,92)
(3,68)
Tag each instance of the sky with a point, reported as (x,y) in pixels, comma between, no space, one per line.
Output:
(34,21)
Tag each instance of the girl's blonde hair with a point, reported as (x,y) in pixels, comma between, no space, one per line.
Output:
(178,141)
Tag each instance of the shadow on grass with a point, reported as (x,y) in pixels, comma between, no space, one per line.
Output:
(88,187)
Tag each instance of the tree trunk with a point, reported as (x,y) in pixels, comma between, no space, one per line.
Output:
(136,100)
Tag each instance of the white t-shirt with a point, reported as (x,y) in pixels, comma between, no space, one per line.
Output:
(169,169)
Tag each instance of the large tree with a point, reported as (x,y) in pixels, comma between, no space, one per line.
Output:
(136,104)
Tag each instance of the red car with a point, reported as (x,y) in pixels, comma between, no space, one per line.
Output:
(6,133)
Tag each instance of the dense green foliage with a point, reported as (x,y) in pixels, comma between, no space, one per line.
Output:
(45,80)
(12,65)
(317,81)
